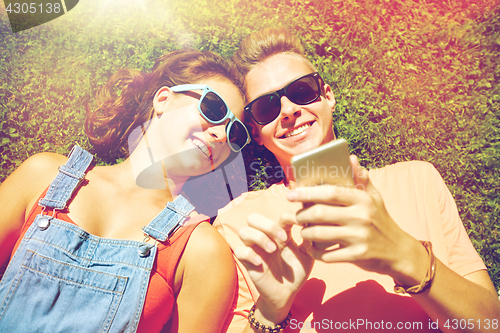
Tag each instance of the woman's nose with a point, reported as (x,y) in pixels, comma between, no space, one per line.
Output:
(217,133)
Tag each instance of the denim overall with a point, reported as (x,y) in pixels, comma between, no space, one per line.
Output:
(63,279)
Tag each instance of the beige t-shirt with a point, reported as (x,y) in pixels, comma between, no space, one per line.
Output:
(341,296)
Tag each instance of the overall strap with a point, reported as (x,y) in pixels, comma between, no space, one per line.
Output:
(67,180)
(169,219)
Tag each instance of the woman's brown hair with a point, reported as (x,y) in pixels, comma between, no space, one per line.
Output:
(126,100)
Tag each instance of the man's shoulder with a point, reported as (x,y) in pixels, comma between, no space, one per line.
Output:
(270,202)
(275,193)
(404,169)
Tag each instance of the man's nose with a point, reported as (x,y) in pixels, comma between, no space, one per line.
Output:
(289,110)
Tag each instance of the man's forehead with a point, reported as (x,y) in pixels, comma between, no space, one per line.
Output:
(274,73)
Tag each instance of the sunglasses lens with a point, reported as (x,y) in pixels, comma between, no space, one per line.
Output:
(237,136)
(266,108)
(213,107)
(303,91)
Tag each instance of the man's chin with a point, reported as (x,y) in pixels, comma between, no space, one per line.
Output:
(305,146)
(285,153)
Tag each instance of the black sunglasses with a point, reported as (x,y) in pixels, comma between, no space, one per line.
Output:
(303,90)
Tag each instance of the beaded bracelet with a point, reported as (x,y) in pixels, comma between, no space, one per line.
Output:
(429,276)
(264,328)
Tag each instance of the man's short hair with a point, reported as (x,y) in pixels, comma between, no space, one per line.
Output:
(262,44)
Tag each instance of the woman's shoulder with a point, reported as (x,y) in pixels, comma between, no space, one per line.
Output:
(40,169)
(205,241)
(45,162)
(207,255)
(205,276)
(20,191)
(36,172)
(206,245)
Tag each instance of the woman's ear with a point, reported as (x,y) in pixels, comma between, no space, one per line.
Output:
(162,96)
(329,96)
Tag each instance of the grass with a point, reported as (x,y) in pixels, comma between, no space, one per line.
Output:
(413,80)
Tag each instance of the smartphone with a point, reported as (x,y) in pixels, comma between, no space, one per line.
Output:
(326,164)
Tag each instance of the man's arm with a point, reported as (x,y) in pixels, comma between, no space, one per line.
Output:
(368,237)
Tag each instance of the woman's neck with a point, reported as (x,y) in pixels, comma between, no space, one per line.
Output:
(153,180)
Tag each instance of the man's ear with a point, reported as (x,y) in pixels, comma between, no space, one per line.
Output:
(329,96)
(162,96)
(254,131)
